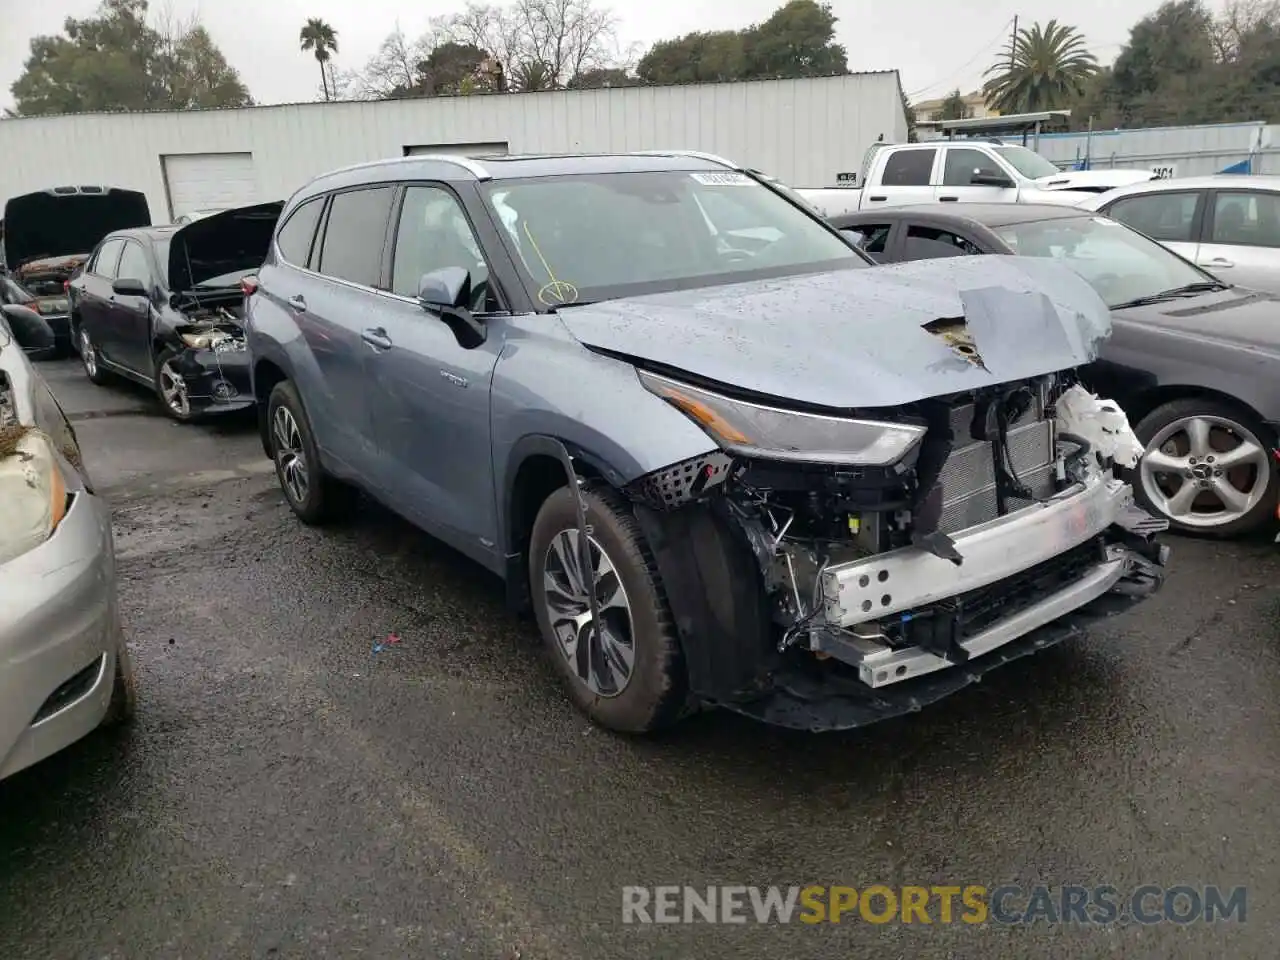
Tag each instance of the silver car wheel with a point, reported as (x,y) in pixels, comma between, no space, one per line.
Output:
(290,457)
(88,354)
(603,659)
(174,389)
(1205,471)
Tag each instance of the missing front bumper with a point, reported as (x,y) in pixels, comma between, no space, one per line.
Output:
(1020,573)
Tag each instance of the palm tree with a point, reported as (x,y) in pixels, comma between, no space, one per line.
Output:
(1041,68)
(321,39)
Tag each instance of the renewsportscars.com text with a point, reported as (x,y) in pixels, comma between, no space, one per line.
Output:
(966,904)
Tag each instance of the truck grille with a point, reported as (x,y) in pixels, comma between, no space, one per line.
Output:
(968,478)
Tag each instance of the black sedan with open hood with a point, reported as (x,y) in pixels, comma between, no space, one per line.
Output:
(163,306)
(48,235)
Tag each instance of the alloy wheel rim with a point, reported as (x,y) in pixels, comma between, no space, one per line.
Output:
(174,389)
(88,355)
(1205,471)
(603,659)
(290,459)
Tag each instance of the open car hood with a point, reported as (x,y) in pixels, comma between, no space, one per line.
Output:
(858,338)
(63,221)
(226,242)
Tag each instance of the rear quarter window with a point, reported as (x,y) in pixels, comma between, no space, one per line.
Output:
(298,232)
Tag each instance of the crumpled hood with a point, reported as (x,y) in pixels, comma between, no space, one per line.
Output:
(856,338)
(222,243)
(54,223)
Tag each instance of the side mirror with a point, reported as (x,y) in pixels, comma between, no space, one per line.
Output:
(30,330)
(128,287)
(990,178)
(447,293)
(449,287)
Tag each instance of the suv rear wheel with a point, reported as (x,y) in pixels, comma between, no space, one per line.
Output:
(313,495)
(628,675)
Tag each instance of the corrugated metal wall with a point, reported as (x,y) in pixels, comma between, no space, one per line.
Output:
(1193,151)
(802,131)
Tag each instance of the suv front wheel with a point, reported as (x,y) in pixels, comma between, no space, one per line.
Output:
(629,674)
(313,495)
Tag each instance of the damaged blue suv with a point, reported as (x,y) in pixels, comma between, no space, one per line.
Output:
(724,462)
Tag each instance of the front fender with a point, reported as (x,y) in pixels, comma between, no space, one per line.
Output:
(549,389)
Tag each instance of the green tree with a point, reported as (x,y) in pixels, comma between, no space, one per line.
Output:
(1041,68)
(321,40)
(953,107)
(116,60)
(601,77)
(450,69)
(533,76)
(910,113)
(798,40)
(1185,65)
(695,58)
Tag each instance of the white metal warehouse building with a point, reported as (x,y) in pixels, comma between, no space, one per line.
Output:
(804,132)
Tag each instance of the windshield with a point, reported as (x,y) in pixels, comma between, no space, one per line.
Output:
(1119,263)
(595,237)
(1027,162)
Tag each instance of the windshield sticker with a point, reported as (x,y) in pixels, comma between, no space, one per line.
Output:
(721,179)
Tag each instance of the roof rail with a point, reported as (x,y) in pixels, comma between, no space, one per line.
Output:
(695,154)
(466,163)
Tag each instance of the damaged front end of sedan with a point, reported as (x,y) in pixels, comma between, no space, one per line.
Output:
(831,569)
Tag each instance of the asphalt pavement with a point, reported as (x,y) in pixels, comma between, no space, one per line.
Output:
(288,792)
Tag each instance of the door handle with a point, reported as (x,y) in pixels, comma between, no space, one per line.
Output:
(877,198)
(298,303)
(948,199)
(376,337)
(1219,263)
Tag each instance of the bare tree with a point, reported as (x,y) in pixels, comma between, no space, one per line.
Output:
(1237,21)
(560,38)
(395,66)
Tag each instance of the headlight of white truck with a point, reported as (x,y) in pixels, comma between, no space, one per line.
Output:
(771,433)
(32,490)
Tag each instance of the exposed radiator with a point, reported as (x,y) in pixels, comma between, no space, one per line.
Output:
(968,478)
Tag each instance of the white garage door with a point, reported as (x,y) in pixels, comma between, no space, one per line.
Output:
(210,181)
(457,149)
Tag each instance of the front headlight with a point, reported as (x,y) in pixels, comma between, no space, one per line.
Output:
(774,434)
(32,490)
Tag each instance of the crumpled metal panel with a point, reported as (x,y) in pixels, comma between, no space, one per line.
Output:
(855,338)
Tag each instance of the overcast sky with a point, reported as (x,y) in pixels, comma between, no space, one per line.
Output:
(935,44)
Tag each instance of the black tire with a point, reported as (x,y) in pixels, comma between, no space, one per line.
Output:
(90,359)
(1166,414)
(124,692)
(326,499)
(656,693)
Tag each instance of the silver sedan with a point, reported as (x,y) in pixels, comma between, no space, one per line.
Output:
(64,666)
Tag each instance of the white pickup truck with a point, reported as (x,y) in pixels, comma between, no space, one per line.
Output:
(964,171)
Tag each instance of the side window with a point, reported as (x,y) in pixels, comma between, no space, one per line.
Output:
(433,233)
(295,237)
(353,239)
(927,243)
(104,264)
(963,163)
(908,168)
(869,237)
(1161,216)
(1251,219)
(134,265)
